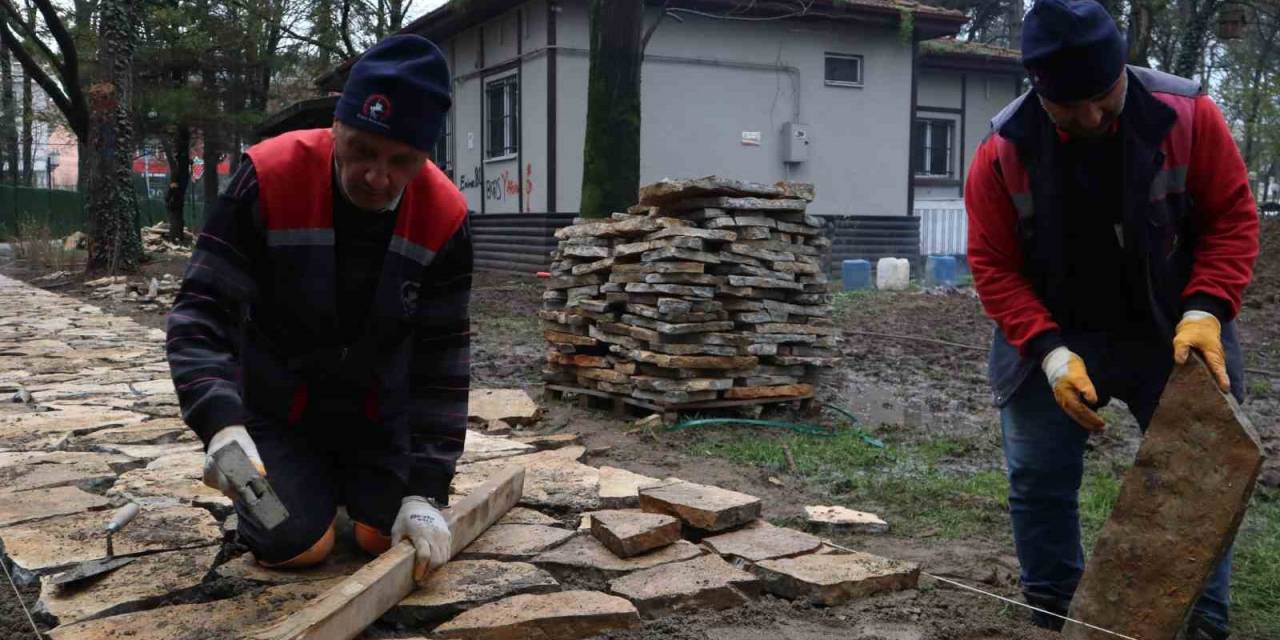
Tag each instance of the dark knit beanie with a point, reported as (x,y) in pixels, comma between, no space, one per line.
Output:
(1072,49)
(400,88)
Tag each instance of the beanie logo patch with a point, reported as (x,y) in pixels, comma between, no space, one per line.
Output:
(376,110)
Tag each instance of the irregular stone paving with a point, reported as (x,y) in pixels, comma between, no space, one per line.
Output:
(100,427)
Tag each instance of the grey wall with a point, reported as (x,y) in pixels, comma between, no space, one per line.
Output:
(939,96)
(705,83)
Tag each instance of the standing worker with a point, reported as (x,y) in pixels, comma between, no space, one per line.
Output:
(322,324)
(1111,233)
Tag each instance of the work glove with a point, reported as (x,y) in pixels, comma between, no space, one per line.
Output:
(215,479)
(1070,382)
(423,525)
(1201,331)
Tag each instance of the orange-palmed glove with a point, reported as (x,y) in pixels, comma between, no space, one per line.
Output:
(1072,387)
(1201,331)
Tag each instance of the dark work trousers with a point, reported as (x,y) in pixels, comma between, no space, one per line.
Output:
(1044,451)
(326,460)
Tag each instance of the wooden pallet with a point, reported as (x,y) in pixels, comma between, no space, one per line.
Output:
(619,404)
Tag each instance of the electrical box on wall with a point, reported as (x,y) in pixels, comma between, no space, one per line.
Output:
(795,142)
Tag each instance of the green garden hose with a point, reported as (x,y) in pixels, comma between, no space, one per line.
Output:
(801,428)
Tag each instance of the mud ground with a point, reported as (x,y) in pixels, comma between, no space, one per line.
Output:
(921,380)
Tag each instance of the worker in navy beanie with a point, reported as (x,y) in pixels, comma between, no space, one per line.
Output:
(323,327)
(1111,234)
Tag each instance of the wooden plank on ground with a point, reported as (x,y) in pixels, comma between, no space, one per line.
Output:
(1178,511)
(355,603)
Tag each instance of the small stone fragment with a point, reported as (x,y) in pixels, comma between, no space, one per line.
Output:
(567,615)
(705,583)
(832,579)
(763,543)
(629,533)
(701,506)
(842,519)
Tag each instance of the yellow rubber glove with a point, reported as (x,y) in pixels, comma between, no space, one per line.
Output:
(1070,381)
(1201,331)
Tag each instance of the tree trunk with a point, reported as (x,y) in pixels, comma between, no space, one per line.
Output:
(115,244)
(28,121)
(1014,19)
(210,177)
(8,119)
(1195,34)
(1139,32)
(175,197)
(611,162)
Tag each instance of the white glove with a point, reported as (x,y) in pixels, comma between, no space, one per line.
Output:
(425,527)
(215,479)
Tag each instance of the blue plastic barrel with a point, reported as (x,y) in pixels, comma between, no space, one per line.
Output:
(856,275)
(940,271)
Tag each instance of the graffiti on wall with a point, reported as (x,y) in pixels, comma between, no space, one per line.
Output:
(500,188)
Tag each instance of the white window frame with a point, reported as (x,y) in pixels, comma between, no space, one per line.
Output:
(445,145)
(510,118)
(926,146)
(862,70)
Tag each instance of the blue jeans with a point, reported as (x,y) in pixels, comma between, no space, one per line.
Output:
(1044,451)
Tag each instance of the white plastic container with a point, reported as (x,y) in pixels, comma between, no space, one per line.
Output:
(893,274)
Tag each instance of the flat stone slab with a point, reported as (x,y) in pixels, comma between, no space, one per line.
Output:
(47,545)
(1179,509)
(140,583)
(841,519)
(236,617)
(466,584)
(763,543)
(26,506)
(705,583)
(341,563)
(151,451)
(620,489)
(628,533)
(169,480)
(27,470)
(515,542)
(701,506)
(550,441)
(553,479)
(832,579)
(480,447)
(522,515)
(586,553)
(166,431)
(567,615)
(512,406)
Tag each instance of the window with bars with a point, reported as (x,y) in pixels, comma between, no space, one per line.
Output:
(502,135)
(934,144)
(444,144)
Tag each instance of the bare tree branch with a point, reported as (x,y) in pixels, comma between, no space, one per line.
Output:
(76,119)
(662,13)
(28,31)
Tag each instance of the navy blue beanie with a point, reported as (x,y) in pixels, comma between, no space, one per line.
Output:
(400,88)
(1072,49)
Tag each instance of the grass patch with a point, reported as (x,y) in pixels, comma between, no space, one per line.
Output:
(902,482)
(36,245)
(1255,589)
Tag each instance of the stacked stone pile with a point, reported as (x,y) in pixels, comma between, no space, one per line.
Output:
(708,289)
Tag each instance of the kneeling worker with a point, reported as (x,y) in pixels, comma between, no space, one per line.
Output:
(322,323)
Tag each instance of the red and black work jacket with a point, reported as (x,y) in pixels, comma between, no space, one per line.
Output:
(1187,216)
(253,332)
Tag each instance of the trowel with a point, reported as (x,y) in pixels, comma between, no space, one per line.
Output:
(84,570)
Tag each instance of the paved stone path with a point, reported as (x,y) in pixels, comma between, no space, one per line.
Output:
(101,428)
